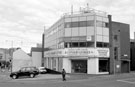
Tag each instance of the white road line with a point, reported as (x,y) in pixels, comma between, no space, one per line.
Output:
(126,80)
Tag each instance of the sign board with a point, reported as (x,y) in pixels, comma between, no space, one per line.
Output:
(89,38)
(90,52)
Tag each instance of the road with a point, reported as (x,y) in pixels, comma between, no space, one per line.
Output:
(119,80)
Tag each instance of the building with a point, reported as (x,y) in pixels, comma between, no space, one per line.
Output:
(20,59)
(119,47)
(82,42)
(6,56)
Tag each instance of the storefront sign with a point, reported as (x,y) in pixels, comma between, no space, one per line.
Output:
(103,52)
(79,52)
(90,52)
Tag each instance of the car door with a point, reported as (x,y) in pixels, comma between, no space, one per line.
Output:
(28,70)
(22,72)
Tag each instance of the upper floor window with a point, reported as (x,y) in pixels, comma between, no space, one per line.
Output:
(79,24)
(102,44)
(101,24)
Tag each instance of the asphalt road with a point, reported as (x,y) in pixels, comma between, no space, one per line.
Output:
(119,80)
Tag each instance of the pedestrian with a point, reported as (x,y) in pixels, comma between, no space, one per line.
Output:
(63,74)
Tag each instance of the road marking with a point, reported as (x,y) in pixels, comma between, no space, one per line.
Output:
(129,80)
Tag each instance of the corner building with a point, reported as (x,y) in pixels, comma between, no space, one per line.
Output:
(79,43)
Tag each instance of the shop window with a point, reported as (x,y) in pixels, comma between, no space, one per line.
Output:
(90,44)
(82,44)
(103,65)
(66,45)
(75,44)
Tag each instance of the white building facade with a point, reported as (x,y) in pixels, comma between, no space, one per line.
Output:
(79,43)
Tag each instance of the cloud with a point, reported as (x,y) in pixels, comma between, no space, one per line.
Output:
(24,20)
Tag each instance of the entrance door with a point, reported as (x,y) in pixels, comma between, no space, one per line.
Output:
(79,66)
(124,66)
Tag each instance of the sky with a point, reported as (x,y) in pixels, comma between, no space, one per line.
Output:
(22,21)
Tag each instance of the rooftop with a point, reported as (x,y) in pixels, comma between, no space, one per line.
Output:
(84,11)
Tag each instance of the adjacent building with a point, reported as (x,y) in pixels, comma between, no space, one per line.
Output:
(119,47)
(87,42)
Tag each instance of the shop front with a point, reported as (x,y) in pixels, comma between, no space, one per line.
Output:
(79,60)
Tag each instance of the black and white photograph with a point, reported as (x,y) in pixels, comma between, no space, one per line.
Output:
(67,43)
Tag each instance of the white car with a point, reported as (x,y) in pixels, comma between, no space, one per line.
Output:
(42,70)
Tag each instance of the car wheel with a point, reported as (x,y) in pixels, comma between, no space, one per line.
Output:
(32,75)
(14,77)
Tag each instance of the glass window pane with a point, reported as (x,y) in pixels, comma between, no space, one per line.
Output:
(67,31)
(99,24)
(67,19)
(106,31)
(75,24)
(75,44)
(105,24)
(106,44)
(75,31)
(82,18)
(82,44)
(90,17)
(99,18)
(90,23)
(99,44)
(106,19)
(90,31)
(82,23)
(75,18)
(67,24)
(90,44)
(99,38)
(105,39)
(99,31)
(82,31)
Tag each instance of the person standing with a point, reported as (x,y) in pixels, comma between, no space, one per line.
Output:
(63,74)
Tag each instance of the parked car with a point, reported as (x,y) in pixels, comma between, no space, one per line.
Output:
(42,70)
(25,71)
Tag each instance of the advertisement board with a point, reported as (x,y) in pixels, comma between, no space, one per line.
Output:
(89,52)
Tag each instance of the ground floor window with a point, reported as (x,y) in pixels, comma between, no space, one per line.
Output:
(103,65)
(79,66)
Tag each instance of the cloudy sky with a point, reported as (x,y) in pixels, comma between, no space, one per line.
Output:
(22,21)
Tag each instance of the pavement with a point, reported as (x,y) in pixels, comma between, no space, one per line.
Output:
(73,80)
(4,76)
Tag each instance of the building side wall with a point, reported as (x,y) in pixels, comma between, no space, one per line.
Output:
(36,59)
(20,59)
(120,47)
